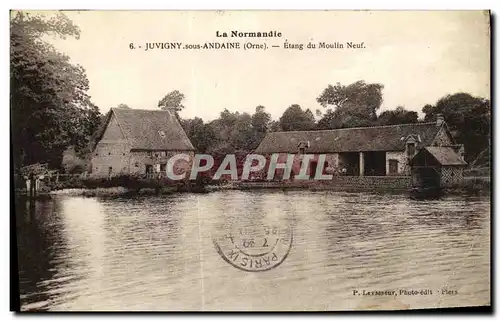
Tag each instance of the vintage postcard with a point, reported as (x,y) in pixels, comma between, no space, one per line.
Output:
(251,160)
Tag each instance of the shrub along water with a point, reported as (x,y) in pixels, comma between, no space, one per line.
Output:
(132,184)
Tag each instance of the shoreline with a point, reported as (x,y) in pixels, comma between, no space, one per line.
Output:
(478,185)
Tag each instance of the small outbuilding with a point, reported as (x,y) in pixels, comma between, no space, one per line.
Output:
(437,166)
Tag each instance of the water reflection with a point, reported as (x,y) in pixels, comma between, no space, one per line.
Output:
(156,253)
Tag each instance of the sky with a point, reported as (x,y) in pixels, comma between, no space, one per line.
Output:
(419,57)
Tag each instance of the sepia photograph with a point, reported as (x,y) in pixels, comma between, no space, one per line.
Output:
(239,160)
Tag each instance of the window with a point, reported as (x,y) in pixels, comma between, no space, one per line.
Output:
(163,167)
(162,133)
(411,149)
(302,147)
(163,154)
(393,166)
(110,170)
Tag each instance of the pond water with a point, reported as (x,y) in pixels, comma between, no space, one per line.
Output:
(158,253)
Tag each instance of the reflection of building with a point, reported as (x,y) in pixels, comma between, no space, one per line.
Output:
(139,142)
(362,151)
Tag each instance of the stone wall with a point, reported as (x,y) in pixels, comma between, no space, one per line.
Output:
(403,168)
(111,153)
(339,183)
(372,182)
(139,160)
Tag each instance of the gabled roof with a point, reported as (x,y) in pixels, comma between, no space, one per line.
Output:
(379,138)
(151,129)
(445,155)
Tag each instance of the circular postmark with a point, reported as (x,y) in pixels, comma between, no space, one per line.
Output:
(255,248)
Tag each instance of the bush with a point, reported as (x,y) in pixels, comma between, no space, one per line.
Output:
(476,184)
(128,181)
(478,172)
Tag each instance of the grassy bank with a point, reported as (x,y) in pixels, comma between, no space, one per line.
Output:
(125,185)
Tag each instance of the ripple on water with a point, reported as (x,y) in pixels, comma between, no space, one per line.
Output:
(156,253)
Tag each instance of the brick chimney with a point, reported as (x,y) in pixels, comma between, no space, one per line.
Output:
(439,120)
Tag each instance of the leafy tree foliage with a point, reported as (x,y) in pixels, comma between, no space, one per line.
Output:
(468,117)
(330,120)
(234,132)
(261,119)
(50,107)
(294,118)
(261,122)
(354,105)
(123,106)
(397,116)
(274,126)
(172,100)
(200,134)
(231,132)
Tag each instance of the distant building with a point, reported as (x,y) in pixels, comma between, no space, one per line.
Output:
(139,142)
(362,151)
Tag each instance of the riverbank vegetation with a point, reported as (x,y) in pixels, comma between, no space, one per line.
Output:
(135,186)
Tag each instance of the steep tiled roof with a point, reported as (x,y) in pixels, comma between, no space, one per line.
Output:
(379,138)
(152,129)
(445,155)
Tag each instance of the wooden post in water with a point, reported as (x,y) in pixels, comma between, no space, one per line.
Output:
(31,193)
(34,182)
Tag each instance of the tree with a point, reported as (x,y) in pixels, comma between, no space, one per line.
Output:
(201,135)
(397,116)
(469,119)
(172,100)
(232,132)
(274,126)
(330,120)
(123,106)
(261,122)
(50,107)
(294,118)
(261,119)
(354,105)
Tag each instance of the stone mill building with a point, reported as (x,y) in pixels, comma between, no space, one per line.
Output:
(139,142)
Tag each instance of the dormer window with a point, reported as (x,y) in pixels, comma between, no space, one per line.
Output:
(410,149)
(302,147)
(162,133)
